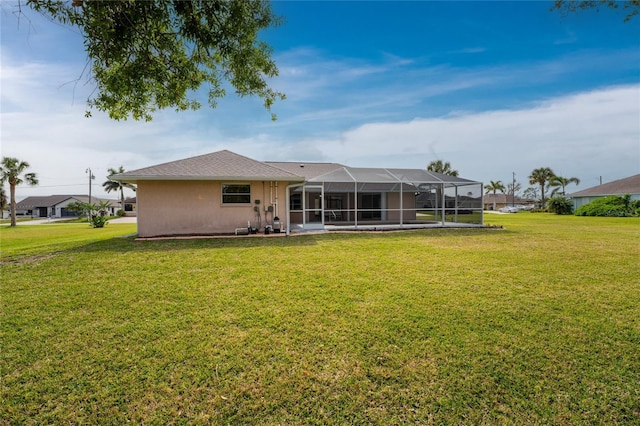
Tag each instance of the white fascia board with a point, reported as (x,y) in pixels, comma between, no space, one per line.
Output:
(134,179)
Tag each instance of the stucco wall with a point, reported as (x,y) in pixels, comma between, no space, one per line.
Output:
(408,202)
(195,207)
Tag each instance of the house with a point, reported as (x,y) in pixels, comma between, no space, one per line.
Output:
(130,206)
(222,192)
(630,186)
(504,200)
(56,205)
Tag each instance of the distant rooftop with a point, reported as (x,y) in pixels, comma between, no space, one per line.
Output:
(630,185)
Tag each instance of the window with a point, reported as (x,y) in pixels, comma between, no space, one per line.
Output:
(236,194)
(370,203)
(295,201)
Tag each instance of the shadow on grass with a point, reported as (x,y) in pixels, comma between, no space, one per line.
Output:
(129,244)
(304,240)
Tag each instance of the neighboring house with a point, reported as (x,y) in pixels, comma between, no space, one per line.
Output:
(630,185)
(504,200)
(222,192)
(56,205)
(130,206)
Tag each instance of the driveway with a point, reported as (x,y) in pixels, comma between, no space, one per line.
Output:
(125,219)
(58,219)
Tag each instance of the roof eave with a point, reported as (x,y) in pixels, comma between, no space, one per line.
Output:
(134,179)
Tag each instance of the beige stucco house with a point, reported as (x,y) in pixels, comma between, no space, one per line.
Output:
(223,193)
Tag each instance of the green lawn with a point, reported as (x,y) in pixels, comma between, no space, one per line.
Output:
(537,323)
(18,219)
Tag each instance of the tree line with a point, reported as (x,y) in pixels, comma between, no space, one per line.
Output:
(544,179)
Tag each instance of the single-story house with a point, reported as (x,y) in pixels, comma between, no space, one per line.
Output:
(130,206)
(56,205)
(504,200)
(630,186)
(223,192)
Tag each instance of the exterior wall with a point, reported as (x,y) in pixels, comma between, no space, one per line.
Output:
(23,212)
(32,213)
(57,209)
(133,209)
(393,204)
(195,207)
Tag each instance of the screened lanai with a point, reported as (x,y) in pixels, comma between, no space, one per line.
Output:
(378,198)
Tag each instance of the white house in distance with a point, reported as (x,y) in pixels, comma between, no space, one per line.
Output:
(223,192)
(630,186)
(56,205)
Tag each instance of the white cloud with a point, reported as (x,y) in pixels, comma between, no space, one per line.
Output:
(585,134)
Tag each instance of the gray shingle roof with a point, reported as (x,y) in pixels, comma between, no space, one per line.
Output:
(41,201)
(221,165)
(630,185)
(226,165)
(307,170)
(35,202)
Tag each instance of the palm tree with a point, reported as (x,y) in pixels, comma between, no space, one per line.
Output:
(3,201)
(540,176)
(495,186)
(559,183)
(10,171)
(439,166)
(114,185)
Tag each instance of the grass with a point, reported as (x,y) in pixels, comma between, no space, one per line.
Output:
(533,324)
(18,219)
(28,240)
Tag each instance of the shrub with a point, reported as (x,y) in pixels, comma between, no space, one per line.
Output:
(97,213)
(120,213)
(560,205)
(611,206)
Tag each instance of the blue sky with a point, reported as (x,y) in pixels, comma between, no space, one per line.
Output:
(491,87)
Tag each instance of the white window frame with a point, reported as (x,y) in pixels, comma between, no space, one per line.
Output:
(222,194)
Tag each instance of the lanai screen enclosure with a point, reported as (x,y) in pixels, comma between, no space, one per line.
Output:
(367,198)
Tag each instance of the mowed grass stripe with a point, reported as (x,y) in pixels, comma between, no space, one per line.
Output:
(536,323)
